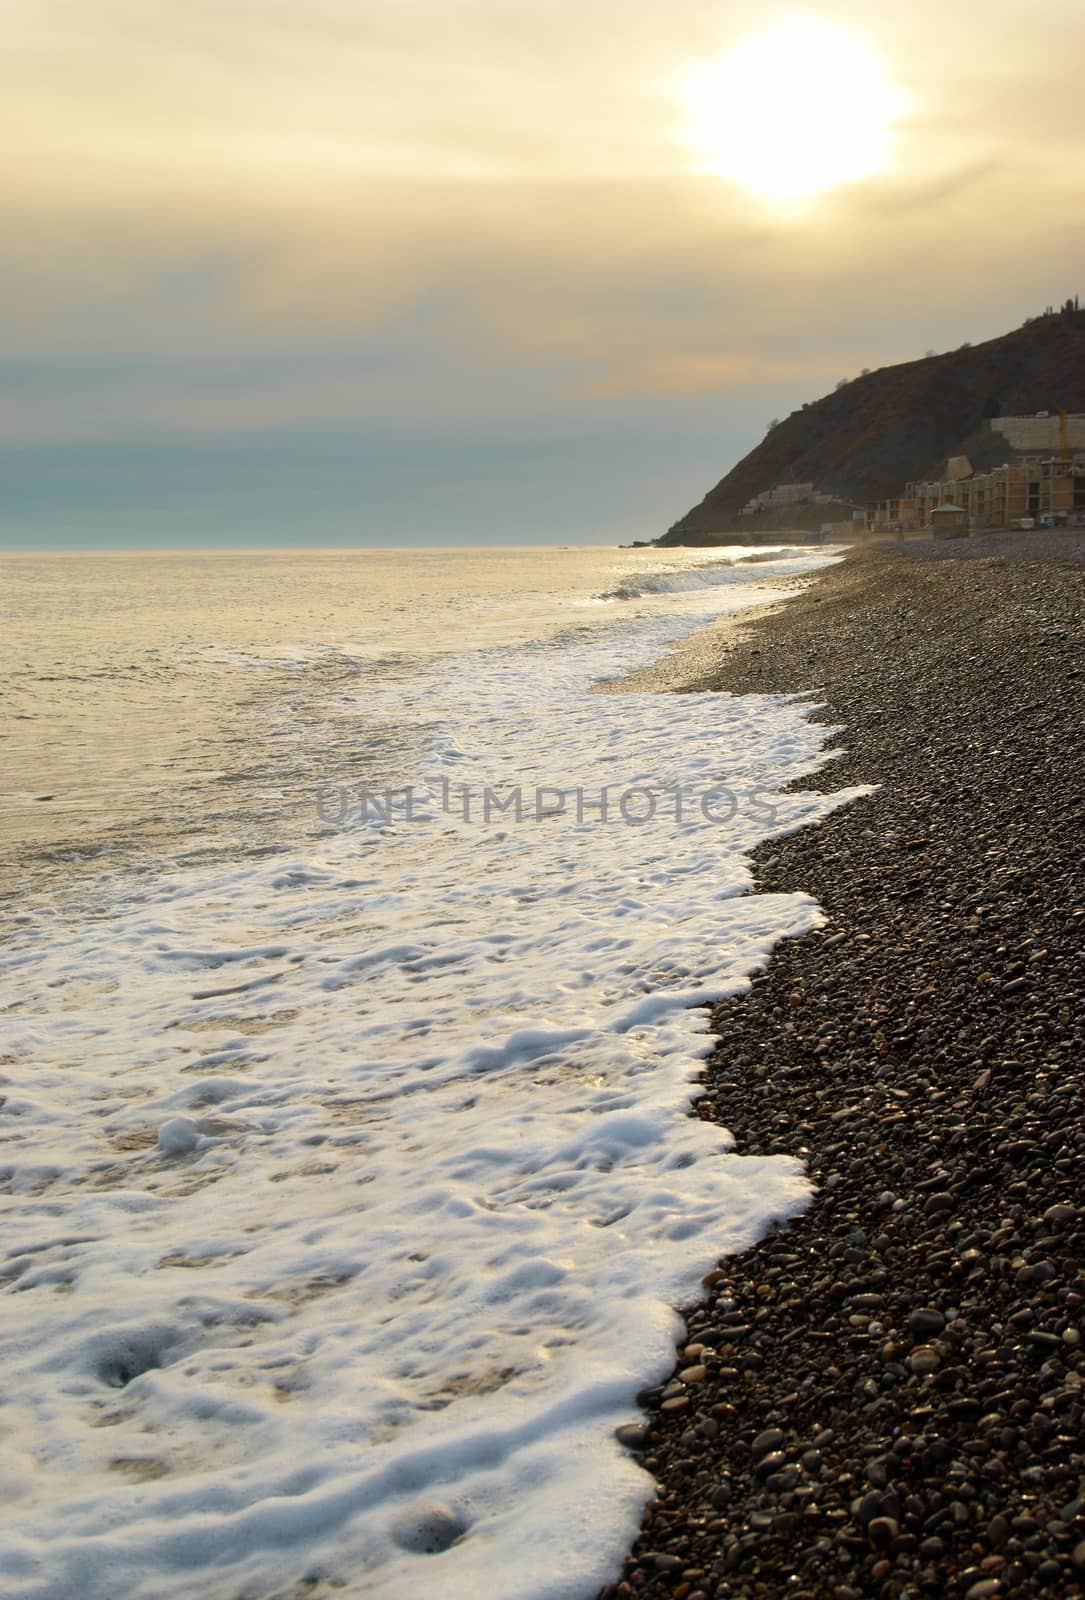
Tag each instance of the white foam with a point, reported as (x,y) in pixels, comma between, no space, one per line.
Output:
(707,574)
(352,1192)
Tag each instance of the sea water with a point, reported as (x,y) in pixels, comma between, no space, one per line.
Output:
(354,978)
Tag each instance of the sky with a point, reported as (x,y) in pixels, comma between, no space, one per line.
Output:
(473,271)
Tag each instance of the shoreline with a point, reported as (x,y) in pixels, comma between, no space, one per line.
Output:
(687,662)
(466,1240)
(884,1396)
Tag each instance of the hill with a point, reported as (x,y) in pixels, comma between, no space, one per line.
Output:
(866,440)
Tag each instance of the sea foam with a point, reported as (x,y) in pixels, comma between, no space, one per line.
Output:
(351,1190)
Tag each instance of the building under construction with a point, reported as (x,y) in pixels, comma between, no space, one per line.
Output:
(1041,487)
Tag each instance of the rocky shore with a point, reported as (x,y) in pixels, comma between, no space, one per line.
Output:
(886,1397)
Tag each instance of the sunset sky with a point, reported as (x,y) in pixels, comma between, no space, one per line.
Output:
(409,271)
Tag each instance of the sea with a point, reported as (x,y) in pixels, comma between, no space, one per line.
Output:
(360,914)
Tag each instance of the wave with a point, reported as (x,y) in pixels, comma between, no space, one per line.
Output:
(687,580)
(367,1169)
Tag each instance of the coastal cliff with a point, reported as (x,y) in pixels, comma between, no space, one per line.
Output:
(864,441)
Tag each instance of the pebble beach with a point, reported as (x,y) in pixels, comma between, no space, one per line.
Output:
(884,1397)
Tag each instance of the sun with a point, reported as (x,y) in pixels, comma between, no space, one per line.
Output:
(792,110)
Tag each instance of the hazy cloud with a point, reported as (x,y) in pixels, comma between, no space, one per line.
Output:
(228,217)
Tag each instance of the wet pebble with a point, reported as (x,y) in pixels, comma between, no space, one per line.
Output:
(895,1396)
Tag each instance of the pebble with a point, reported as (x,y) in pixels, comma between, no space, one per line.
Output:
(771,1439)
(902,1362)
(883,1530)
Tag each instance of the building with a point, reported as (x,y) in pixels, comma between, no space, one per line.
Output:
(786,494)
(1045,432)
(949,522)
(892,516)
(1029,487)
(1043,481)
(1047,489)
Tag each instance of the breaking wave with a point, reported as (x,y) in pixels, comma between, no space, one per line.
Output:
(687,580)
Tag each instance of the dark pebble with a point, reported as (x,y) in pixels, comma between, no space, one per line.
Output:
(926,1066)
(771,1439)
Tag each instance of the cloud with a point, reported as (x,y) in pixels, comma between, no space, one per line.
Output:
(704,374)
(237,218)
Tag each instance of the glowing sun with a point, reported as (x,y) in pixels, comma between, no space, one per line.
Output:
(792,110)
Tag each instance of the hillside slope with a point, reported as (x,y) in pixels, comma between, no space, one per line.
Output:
(865,441)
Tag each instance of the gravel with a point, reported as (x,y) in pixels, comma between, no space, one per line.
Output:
(886,1396)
